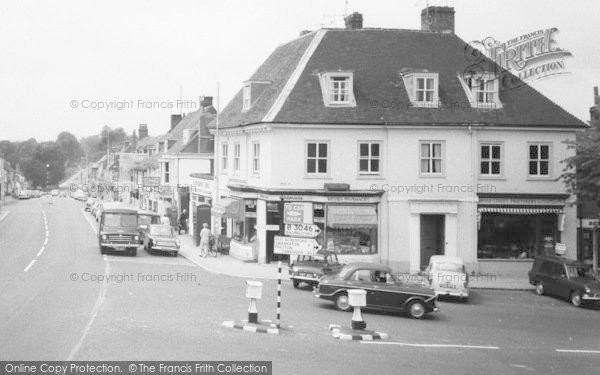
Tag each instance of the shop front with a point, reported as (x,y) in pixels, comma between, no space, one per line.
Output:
(200,194)
(347,222)
(515,229)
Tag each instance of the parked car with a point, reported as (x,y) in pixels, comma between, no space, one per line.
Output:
(162,238)
(23,194)
(146,218)
(89,203)
(384,291)
(94,208)
(565,278)
(310,269)
(118,230)
(54,193)
(447,276)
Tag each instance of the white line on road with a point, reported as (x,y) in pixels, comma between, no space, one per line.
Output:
(578,351)
(41,251)
(88,221)
(46,240)
(4,215)
(29,266)
(431,345)
(94,313)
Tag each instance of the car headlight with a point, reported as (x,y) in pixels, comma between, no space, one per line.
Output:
(295,269)
(587,289)
(136,238)
(178,243)
(104,237)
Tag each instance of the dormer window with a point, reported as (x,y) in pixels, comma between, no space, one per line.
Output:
(422,89)
(482,90)
(337,89)
(246,97)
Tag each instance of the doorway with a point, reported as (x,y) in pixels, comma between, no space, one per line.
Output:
(432,237)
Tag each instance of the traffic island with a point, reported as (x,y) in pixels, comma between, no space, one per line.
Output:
(263,326)
(347,333)
(357,298)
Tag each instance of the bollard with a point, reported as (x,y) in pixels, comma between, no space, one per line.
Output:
(254,292)
(357,298)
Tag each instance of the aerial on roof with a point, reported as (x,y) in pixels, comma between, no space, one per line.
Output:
(378,59)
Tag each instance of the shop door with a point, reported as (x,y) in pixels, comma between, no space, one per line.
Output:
(432,237)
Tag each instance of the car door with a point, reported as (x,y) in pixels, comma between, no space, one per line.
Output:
(389,295)
(563,284)
(361,279)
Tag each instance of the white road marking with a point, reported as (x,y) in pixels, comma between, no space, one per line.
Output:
(41,251)
(94,313)
(88,221)
(578,351)
(46,240)
(4,215)
(29,266)
(431,345)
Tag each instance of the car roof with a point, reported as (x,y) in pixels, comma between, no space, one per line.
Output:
(445,259)
(147,212)
(160,225)
(567,261)
(368,266)
(119,211)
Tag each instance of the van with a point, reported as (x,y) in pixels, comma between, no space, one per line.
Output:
(118,230)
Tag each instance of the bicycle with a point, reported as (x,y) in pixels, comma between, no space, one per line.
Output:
(213,249)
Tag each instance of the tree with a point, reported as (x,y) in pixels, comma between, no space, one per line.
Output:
(70,147)
(582,171)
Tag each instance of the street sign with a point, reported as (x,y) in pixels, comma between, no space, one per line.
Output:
(298,213)
(295,246)
(151,181)
(302,230)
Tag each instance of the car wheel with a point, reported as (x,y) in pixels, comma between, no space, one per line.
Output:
(416,309)
(342,303)
(539,288)
(576,299)
(296,283)
(133,252)
(102,250)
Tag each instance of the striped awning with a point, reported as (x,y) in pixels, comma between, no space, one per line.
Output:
(521,210)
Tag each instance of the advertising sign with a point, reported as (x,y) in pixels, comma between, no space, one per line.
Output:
(298,213)
(295,246)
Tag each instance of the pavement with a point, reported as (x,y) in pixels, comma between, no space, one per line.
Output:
(227,265)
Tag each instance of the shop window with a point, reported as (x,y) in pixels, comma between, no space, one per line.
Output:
(516,236)
(351,229)
(244,227)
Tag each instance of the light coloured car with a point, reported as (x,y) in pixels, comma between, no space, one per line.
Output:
(447,276)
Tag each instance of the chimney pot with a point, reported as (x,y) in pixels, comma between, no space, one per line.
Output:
(143,131)
(354,21)
(206,101)
(438,19)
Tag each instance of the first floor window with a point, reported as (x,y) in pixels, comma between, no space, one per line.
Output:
(539,160)
(316,158)
(369,158)
(224,156)
(166,173)
(431,157)
(256,157)
(236,157)
(490,160)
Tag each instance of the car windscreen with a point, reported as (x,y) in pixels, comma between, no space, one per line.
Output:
(120,220)
(449,267)
(161,231)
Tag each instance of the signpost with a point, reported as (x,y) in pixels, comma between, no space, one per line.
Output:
(298,213)
(302,230)
(295,246)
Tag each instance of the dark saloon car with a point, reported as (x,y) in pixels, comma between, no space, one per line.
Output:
(565,278)
(384,291)
(161,238)
(309,269)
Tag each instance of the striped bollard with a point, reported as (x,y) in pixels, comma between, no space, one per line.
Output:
(278,294)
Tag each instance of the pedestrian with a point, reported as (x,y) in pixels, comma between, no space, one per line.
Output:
(183,221)
(165,220)
(204,240)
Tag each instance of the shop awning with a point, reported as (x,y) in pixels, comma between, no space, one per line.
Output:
(521,210)
(226,207)
(351,216)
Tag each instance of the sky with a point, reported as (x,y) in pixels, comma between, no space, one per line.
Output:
(80,65)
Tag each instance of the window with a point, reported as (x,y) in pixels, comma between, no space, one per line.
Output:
(431,158)
(337,89)
(236,157)
(490,160)
(482,90)
(246,97)
(166,172)
(316,158)
(422,88)
(539,160)
(224,156)
(256,157)
(369,157)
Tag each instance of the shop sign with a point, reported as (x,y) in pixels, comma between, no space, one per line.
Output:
(151,181)
(292,197)
(560,248)
(589,223)
(302,230)
(295,246)
(298,213)
(347,199)
(521,202)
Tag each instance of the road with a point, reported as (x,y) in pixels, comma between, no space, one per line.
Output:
(55,306)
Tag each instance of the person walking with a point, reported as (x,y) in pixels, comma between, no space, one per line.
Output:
(204,240)
(183,221)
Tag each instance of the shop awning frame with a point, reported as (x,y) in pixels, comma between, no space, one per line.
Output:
(520,210)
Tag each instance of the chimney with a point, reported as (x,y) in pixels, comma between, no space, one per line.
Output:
(438,19)
(354,21)
(175,120)
(304,32)
(143,131)
(206,101)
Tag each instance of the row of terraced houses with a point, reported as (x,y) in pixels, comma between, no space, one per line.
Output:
(393,145)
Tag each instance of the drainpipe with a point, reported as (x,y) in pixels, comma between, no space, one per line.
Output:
(473,202)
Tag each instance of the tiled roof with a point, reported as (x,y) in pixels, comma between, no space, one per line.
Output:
(377,57)
(192,121)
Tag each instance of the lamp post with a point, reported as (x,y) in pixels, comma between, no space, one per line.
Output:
(47,175)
